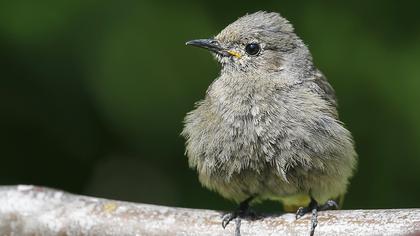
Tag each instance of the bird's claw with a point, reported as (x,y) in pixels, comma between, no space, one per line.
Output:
(242,214)
(329,205)
(302,211)
(228,218)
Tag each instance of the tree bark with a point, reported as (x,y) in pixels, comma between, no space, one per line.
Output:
(30,210)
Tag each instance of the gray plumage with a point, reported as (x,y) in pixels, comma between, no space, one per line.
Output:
(268,126)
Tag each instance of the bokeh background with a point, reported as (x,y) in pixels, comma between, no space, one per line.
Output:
(93,93)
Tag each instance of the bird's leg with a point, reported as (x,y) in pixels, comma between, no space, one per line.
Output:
(243,211)
(314,208)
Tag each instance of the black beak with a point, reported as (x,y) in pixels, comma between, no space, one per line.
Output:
(209,44)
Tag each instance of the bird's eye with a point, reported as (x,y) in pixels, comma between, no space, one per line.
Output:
(252,49)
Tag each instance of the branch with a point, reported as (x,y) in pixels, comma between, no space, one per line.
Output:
(29,210)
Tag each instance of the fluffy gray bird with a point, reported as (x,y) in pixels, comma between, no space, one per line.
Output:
(268,127)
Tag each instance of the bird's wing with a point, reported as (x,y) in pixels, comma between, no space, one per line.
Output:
(328,92)
(320,85)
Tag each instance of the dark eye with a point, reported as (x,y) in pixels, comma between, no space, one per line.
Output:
(252,49)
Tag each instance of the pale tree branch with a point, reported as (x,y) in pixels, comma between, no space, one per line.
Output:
(29,210)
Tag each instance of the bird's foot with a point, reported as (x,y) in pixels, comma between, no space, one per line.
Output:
(243,212)
(329,205)
(303,210)
(314,208)
(239,213)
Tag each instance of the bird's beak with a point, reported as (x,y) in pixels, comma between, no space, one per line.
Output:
(209,44)
(212,45)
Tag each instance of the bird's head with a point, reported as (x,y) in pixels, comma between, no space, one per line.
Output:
(260,42)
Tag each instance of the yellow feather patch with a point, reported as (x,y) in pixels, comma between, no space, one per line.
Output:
(292,203)
(235,54)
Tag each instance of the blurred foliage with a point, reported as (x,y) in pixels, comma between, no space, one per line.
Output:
(93,93)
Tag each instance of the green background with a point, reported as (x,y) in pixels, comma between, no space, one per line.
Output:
(93,93)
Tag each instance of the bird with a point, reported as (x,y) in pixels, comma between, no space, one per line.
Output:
(268,126)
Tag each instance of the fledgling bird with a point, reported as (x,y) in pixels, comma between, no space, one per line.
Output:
(268,127)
